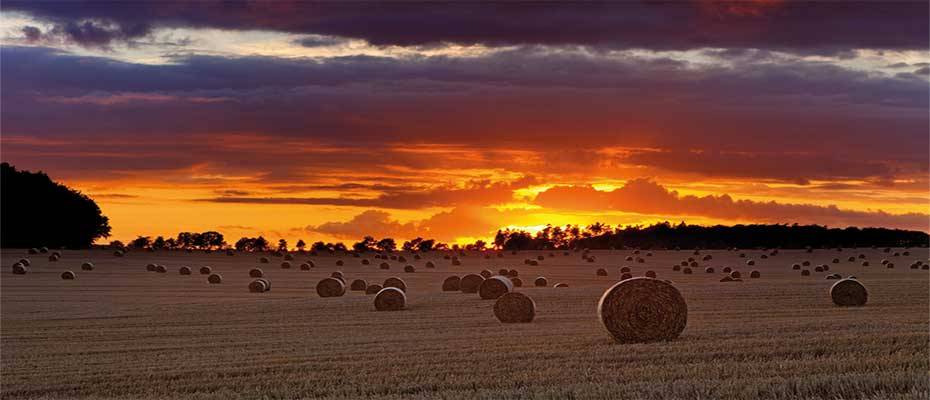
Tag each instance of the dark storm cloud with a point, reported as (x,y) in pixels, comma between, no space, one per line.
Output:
(806,27)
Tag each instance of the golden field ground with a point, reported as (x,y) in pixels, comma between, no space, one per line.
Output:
(123,332)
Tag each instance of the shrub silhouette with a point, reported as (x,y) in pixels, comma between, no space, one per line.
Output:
(37,211)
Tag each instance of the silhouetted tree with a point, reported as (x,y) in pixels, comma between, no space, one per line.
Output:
(141,242)
(282,245)
(301,245)
(386,244)
(427,245)
(36,211)
(367,243)
(158,243)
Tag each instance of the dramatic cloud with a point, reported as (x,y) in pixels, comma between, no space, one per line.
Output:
(811,27)
(647,197)
(446,226)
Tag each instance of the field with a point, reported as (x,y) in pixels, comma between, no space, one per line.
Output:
(123,332)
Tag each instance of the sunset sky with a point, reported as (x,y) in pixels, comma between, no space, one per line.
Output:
(329,122)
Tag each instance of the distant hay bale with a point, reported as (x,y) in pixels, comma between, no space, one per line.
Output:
(590,259)
(384,265)
(818,269)
(161,269)
(205,270)
(306,266)
(514,307)
(451,284)
(470,283)
(455,261)
(289,257)
(257,286)
(150,267)
(736,275)
(825,267)
(649,254)
(264,260)
(285,265)
(925,267)
(486,273)
(750,262)
(503,272)
(865,263)
(601,272)
(796,267)
(215,278)
(393,257)
(256,273)
(624,269)
(118,253)
(640,260)
(650,274)
(643,310)
(763,256)
(429,264)
(833,276)
(628,258)
(517,282)
(395,282)
(373,288)
(541,282)
(540,257)
(330,287)
(687,271)
(19,269)
(676,267)
(534,263)
(337,275)
(708,257)
(742,255)
(906,253)
(709,270)
(560,285)
(851,259)
(836,260)
(849,293)
(861,255)
(889,265)
(884,262)
(339,263)
(402,259)
(513,272)
(727,270)
(390,299)
(68,275)
(726,278)
(43,249)
(755,274)
(625,275)
(230,252)
(365,261)
(358,285)
(494,287)
(805,272)
(184,270)
(54,257)
(266,282)
(33,251)
(694,264)
(410,269)
(87,266)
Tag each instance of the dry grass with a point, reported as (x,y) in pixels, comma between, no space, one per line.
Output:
(776,337)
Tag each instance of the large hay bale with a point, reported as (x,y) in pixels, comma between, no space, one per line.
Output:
(409,269)
(726,278)
(19,269)
(455,261)
(601,272)
(849,293)
(87,266)
(836,260)
(818,269)
(650,274)
(384,265)
(755,274)
(215,278)
(358,285)
(184,270)
(256,273)
(643,310)
(560,285)
(285,265)
(534,263)
(267,284)
(257,286)
(514,307)
(330,287)
(541,282)
(727,270)
(264,260)
(494,287)
(395,282)
(470,283)
(825,267)
(694,264)
(540,258)
(451,284)
(390,299)
(54,257)
(625,275)
(151,267)
(865,263)
(373,289)
(68,275)
(206,270)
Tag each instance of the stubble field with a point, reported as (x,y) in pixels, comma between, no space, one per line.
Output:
(123,332)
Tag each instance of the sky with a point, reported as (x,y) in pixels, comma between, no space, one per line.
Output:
(334,121)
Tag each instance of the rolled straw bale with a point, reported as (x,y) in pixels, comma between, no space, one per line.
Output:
(514,307)
(68,275)
(470,283)
(560,285)
(395,282)
(486,273)
(541,282)
(256,273)
(494,287)
(184,270)
(373,289)
(330,287)
(215,279)
(206,270)
(451,284)
(87,266)
(643,310)
(358,285)
(517,282)
(650,274)
(601,272)
(390,299)
(849,293)
(257,286)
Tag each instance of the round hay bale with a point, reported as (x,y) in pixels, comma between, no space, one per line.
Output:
(625,275)
(513,272)
(833,276)
(257,286)
(401,259)
(384,265)
(470,283)
(339,263)
(151,267)
(925,267)
(601,272)
(851,259)
(455,261)
(884,262)
(215,279)
(305,267)
(43,249)
(517,282)
(19,269)
(503,272)
(640,260)
(540,258)
(849,293)
(330,287)
(796,267)
(395,282)
(264,260)
(687,271)
(836,260)
(410,269)
(889,265)
(708,257)
(628,258)
(805,272)
(358,285)
(486,274)
(119,253)
(494,287)
(727,270)
(337,275)
(184,270)
(763,256)
(624,270)
(390,299)
(87,266)
(750,262)
(54,257)
(205,270)
(541,282)
(161,269)
(861,255)
(373,289)
(676,267)
(755,274)
(726,278)
(865,263)
(289,257)
(736,275)
(535,263)
(266,282)
(68,275)
(514,307)
(429,264)
(694,264)
(709,270)
(684,263)
(825,267)
(365,261)
(650,274)
(818,269)
(560,285)
(451,284)
(742,255)
(33,251)
(285,265)
(256,273)
(643,310)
